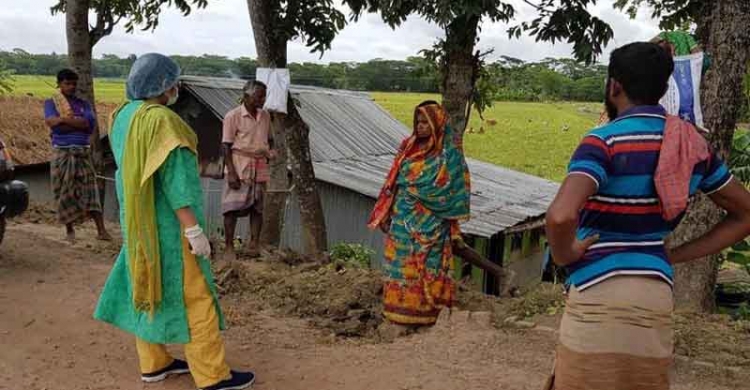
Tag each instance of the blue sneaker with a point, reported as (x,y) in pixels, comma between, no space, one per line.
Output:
(238,381)
(178,367)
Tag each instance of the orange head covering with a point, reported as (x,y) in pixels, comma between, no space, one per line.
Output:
(410,152)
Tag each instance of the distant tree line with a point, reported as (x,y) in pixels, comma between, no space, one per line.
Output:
(507,78)
(549,79)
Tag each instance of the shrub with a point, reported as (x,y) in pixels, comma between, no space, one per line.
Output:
(355,254)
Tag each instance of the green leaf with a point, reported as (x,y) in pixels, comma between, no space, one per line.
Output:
(738,258)
(742,246)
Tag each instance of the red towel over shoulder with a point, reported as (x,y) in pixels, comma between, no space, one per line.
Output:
(681,149)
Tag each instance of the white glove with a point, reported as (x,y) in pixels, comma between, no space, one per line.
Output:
(198,241)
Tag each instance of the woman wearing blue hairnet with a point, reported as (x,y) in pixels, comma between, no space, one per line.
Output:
(161,288)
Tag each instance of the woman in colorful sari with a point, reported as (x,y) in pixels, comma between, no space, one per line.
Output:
(425,196)
(161,289)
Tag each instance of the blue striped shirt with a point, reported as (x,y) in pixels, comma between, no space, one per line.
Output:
(621,157)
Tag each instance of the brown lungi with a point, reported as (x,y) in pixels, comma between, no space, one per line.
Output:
(74,184)
(616,335)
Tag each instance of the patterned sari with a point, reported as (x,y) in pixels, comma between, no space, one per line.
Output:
(424,197)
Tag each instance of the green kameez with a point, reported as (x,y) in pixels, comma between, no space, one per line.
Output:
(177,185)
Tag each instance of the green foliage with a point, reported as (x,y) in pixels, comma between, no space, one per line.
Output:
(210,65)
(485,89)
(570,21)
(742,313)
(112,66)
(739,254)
(440,12)
(549,79)
(739,162)
(739,159)
(485,92)
(506,79)
(136,13)
(22,62)
(6,79)
(462,20)
(545,299)
(316,22)
(353,254)
(672,14)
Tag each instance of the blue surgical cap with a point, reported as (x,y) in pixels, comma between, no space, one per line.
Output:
(151,75)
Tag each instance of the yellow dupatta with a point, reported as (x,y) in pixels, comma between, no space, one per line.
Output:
(62,105)
(155,131)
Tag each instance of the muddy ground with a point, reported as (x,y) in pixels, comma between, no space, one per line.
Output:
(289,328)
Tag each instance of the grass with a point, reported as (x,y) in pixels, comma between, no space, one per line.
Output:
(535,138)
(106,90)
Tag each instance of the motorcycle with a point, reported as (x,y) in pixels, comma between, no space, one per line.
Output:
(14,194)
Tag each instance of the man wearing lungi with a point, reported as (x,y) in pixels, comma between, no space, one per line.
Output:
(72,121)
(247,149)
(628,187)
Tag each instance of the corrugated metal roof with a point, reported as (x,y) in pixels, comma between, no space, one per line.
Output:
(353,141)
(343,123)
(501,198)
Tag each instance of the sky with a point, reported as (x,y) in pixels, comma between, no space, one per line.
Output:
(223,28)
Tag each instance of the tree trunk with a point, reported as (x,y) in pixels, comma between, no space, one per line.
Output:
(723,31)
(80,48)
(695,281)
(459,68)
(314,235)
(272,53)
(276,192)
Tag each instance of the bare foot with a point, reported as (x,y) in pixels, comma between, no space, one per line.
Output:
(251,249)
(70,237)
(252,253)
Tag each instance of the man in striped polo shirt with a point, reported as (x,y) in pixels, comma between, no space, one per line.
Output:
(606,226)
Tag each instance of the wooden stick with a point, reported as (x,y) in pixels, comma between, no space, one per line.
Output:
(473,257)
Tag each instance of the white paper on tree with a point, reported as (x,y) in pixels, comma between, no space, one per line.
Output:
(683,97)
(277,80)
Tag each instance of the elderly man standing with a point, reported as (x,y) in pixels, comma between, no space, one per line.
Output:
(247,148)
(72,121)
(161,288)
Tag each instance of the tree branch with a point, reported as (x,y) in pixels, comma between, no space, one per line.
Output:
(96,32)
(535,6)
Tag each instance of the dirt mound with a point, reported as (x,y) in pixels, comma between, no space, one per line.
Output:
(43,213)
(545,299)
(713,338)
(338,297)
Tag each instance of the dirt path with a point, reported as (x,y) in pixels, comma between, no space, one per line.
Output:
(49,341)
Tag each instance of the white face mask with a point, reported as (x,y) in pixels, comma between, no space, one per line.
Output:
(173,99)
